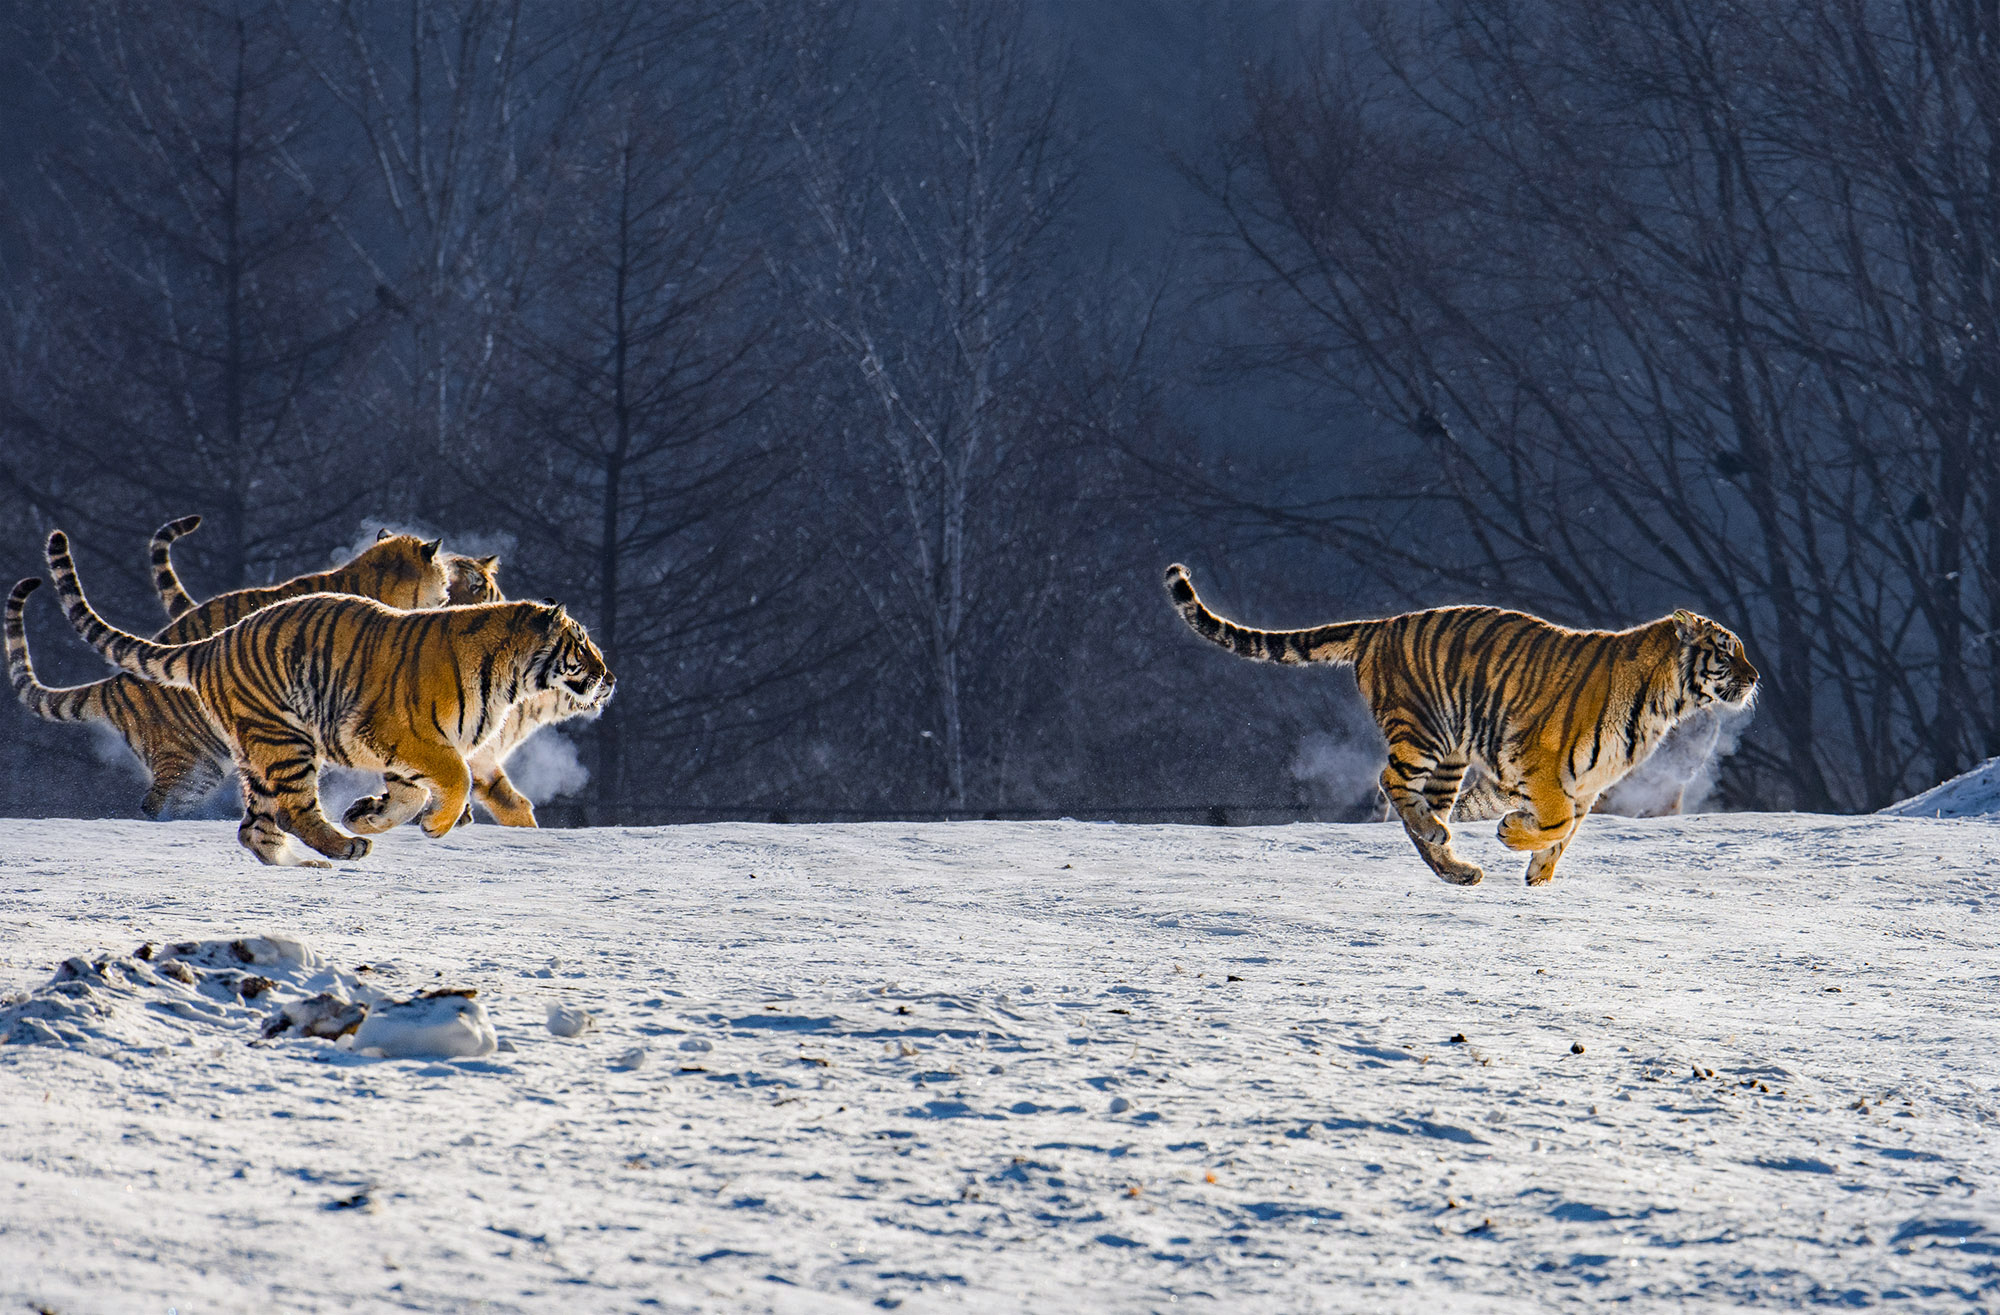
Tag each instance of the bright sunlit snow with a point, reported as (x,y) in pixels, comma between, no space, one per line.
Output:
(1723,1061)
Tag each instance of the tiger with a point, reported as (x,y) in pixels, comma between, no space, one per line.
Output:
(341,679)
(472,580)
(185,758)
(468,579)
(1553,715)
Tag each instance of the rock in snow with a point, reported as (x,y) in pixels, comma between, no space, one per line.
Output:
(326,1016)
(161,994)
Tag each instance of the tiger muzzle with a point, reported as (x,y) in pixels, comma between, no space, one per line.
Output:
(1742,682)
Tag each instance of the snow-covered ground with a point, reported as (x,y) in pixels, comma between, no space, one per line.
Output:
(1975,793)
(1012,1067)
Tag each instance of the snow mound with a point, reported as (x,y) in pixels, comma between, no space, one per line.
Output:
(1969,794)
(257,987)
(449,1024)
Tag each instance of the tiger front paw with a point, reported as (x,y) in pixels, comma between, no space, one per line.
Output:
(1520,830)
(438,823)
(367,815)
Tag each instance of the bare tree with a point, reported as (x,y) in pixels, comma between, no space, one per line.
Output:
(939,286)
(464,110)
(1662,305)
(650,359)
(193,318)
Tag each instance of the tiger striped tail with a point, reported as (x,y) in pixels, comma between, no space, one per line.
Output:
(166,581)
(1329,643)
(77,703)
(165,663)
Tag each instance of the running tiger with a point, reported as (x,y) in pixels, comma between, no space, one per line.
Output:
(476,580)
(335,678)
(471,580)
(1553,715)
(467,579)
(185,757)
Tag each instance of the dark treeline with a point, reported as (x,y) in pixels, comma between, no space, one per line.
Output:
(854,369)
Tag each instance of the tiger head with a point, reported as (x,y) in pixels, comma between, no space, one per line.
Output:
(1713,666)
(473,580)
(402,571)
(567,662)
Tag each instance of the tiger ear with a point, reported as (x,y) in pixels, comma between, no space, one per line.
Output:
(428,549)
(489,563)
(1685,624)
(381,534)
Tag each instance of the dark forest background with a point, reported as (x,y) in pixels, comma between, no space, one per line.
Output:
(854,368)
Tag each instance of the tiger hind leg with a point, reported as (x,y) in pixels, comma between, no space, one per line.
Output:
(155,801)
(180,781)
(261,834)
(199,783)
(1421,787)
(300,814)
(282,773)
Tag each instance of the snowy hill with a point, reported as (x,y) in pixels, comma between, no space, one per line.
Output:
(1969,794)
(1006,1067)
